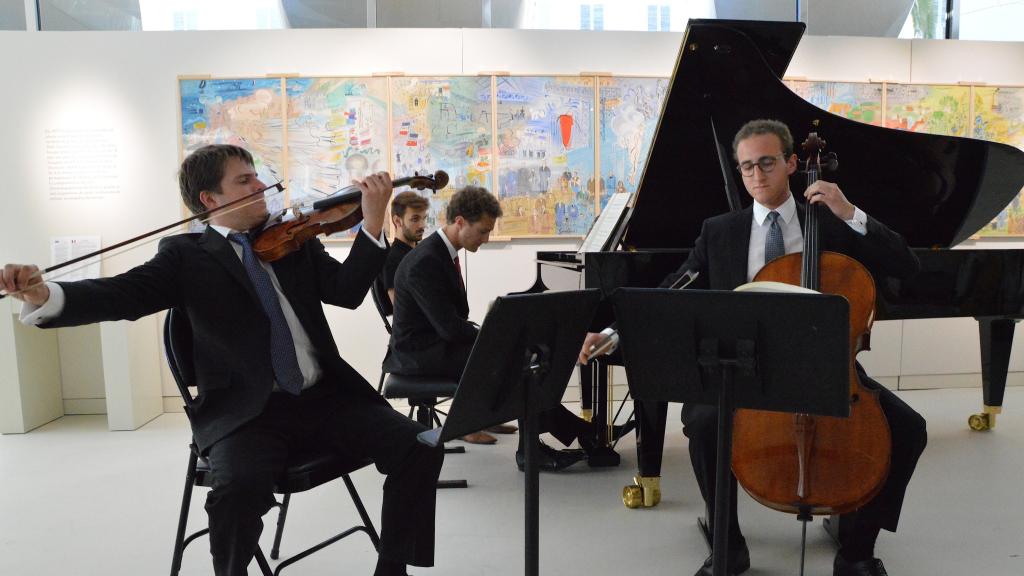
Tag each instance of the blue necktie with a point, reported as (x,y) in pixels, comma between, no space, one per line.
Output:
(282,347)
(773,243)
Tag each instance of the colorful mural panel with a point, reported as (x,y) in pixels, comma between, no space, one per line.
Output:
(242,111)
(337,132)
(628,117)
(999,116)
(925,108)
(858,101)
(442,124)
(545,139)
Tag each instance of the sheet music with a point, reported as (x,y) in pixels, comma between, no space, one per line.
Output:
(605,224)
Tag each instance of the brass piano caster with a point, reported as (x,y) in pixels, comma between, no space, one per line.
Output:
(986,420)
(982,422)
(645,492)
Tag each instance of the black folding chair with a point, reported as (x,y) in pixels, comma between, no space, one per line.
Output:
(303,472)
(422,394)
(382,302)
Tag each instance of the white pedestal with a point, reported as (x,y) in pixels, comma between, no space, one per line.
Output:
(132,373)
(30,390)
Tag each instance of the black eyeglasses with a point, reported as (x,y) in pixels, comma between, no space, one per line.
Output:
(765,163)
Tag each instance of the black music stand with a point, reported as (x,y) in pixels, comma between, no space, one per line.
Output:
(736,350)
(519,367)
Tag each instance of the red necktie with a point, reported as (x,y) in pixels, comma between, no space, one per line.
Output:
(458,267)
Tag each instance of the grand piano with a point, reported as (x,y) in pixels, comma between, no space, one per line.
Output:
(936,191)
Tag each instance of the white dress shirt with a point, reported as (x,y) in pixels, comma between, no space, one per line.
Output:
(451,249)
(792,235)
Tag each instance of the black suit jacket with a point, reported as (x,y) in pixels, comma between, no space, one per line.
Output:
(430,328)
(201,275)
(721,252)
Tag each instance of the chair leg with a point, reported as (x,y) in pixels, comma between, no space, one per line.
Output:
(282,515)
(367,523)
(186,502)
(380,384)
(261,561)
(423,415)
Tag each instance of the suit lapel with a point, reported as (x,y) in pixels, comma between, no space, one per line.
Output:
(454,276)
(441,250)
(220,248)
(739,234)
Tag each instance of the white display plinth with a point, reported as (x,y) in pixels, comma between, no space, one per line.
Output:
(30,391)
(131,372)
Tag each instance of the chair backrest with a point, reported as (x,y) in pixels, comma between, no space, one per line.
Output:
(178,349)
(382,301)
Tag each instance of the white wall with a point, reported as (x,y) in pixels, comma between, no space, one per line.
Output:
(127,82)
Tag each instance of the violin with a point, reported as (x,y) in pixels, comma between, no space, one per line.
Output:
(340,211)
(804,464)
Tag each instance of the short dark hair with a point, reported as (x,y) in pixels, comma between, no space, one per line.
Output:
(204,169)
(473,203)
(408,200)
(764,126)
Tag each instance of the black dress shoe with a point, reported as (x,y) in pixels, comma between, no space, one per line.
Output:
(739,561)
(551,460)
(869,567)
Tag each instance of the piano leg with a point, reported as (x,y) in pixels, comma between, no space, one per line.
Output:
(603,455)
(645,491)
(996,342)
(587,393)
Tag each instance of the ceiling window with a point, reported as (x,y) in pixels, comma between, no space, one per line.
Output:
(212,14)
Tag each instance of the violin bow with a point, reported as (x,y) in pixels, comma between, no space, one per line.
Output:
(204,216)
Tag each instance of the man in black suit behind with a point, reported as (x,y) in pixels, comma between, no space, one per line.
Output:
(269,375)
(431,332)
(729,252)
(409,218)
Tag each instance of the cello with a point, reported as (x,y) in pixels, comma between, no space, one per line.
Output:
(816,465)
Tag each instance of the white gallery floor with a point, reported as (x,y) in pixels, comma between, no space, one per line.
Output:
(76,499)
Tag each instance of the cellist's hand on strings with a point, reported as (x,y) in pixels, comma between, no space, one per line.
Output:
(832,196)
(25,283)
(376,189)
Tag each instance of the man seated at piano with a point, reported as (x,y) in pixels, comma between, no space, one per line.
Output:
(431,331)
(731,249)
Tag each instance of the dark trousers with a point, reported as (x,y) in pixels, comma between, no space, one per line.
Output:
(245,464)
(561,423)
(907,428)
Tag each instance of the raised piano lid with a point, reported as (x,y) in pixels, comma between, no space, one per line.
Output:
(935,190)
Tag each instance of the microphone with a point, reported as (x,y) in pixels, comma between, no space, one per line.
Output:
(689,276)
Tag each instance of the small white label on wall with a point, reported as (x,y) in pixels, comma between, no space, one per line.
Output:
(82,163)
(64,248)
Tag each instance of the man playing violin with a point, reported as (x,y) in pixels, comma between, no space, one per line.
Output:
(730,251)
(269,375)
